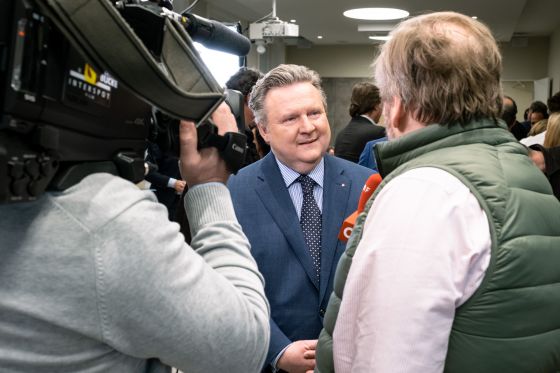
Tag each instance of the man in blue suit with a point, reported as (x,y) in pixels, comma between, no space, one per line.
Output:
(295,186)
(367,158)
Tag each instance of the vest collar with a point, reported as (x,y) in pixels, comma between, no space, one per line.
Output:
(392,154)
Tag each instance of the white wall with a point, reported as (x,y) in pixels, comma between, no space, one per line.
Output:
(526,63)
(335,61)
(554,60)
(352,61)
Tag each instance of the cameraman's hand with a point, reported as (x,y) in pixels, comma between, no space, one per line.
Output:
(206,165)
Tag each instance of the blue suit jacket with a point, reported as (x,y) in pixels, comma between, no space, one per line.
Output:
(367,158)
(266,212)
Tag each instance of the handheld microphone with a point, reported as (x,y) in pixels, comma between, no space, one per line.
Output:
(367,191)
(216,35)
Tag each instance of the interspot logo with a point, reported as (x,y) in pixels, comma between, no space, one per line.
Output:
(86,83)
(90,75)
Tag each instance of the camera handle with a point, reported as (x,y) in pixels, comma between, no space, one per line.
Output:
(231,146)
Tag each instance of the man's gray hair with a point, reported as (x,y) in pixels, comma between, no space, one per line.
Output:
(281,76)
(445,67)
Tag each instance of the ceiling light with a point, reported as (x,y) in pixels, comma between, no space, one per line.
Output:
(474,17)
(293,20)
(382,38)
(319,37)
(376,14)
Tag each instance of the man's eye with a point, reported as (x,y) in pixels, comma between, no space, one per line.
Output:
(290,119)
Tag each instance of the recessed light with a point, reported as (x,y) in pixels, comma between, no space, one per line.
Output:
(474,17)
(319,37)
(382,38)
(376,14)
(293,20)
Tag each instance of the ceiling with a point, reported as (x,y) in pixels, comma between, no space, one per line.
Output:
(506,18)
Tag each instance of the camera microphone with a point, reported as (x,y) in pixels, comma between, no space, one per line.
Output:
(212,34)
(216,35)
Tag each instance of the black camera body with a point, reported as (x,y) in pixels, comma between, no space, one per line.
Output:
(57,109)
(73,104)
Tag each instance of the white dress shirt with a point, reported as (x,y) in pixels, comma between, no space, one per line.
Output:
(368,118)
(532,140)
(424,252)
(294,188)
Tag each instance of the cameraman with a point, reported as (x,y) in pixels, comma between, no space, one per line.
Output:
(95,279)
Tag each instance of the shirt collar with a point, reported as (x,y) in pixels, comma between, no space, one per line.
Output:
(290,176)
(368,118)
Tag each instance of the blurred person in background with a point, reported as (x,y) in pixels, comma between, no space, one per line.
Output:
(509,115)
(538,127)
(547,155)
(243,81)
(365,111)
(538,111)
(553,103)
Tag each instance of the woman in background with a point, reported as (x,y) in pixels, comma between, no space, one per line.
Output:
(552,136)
(547,156)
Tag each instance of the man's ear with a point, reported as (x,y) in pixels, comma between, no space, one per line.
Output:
(396,114)
(263,130)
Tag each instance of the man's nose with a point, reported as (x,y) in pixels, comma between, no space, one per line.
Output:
(307,125)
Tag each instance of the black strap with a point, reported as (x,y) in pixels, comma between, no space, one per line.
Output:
(232,145)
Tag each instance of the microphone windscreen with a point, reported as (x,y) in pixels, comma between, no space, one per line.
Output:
(367,191)
(347,227)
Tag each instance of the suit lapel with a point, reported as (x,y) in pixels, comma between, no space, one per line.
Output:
(274,195)
(336,190)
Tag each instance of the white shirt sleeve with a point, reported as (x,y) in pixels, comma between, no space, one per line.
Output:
(424,252)
(171,182)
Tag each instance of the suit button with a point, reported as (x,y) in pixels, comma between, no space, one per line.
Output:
(322,312)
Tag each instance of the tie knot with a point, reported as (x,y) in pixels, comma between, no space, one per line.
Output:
(307,183)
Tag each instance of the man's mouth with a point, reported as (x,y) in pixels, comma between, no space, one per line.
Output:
(305,142)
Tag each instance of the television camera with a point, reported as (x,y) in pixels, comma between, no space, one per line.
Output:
(82,81)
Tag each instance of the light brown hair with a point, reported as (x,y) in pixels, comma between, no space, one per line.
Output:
(538,127)
(445,67)
(552,136)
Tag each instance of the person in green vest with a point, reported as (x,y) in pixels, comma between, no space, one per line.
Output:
(453,265)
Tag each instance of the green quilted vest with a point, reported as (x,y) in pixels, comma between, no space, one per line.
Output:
(512,322)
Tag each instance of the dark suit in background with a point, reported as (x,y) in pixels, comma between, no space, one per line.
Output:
(266,212)
(351,140)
